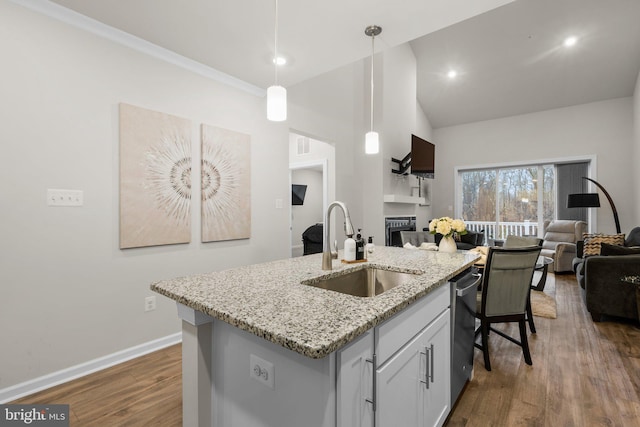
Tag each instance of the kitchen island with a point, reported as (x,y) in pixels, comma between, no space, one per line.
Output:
(262,348)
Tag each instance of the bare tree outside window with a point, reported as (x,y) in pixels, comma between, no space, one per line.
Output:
(506,200)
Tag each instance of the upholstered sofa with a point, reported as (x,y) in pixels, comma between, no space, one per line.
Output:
(559,243)
(600,278)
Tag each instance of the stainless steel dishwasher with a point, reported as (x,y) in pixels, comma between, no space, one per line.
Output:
(463,311)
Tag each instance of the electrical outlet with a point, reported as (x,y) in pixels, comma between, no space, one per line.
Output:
(261,371)
(150,303)
(279,203)
(65,197)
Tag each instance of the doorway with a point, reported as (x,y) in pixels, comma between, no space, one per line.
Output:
(310,170)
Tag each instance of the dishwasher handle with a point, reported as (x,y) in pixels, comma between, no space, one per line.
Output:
(473,287)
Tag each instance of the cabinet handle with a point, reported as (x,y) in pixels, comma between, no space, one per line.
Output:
(374,392)
(431,370)
(425,381)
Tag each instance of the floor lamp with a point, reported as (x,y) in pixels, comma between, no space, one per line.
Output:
(592,200)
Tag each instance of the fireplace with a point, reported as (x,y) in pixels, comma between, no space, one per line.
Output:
(393,225)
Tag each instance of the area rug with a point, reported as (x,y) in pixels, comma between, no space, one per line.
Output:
(543,304)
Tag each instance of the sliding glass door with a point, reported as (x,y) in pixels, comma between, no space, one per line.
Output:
(509,200)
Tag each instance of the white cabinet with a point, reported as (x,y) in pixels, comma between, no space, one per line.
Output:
(354,388)
(412,372)
(414,384)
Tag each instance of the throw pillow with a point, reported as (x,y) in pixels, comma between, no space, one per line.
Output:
(606,249)
(592,242)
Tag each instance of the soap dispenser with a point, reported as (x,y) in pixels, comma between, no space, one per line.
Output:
(350,248)
(359,246)
(370,246)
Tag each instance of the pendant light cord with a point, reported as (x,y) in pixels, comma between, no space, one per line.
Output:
(372,53)
(275,58)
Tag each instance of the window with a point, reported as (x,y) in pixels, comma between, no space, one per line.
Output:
(510,200)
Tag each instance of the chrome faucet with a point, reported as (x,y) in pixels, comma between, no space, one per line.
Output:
(327,253)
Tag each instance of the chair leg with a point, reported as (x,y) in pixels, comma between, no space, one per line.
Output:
(532,326)
(525,343)
(485,345)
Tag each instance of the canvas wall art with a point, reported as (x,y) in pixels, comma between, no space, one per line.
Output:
(155,178)
(226,184)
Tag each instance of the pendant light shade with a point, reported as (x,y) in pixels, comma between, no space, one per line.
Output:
(371,143)
(371,139)
(276,94)
(276,103)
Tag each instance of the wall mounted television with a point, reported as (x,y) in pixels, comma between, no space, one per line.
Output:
(423,154)
(298,192)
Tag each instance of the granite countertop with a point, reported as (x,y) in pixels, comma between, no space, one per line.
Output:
(268,299)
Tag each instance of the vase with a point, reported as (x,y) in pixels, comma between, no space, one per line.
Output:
(447,245)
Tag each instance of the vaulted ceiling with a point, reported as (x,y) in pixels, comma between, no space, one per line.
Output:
(508,54)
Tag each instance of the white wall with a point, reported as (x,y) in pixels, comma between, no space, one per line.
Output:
(396,116)
(398,123)
(68,293)
(425,131)
(603,129)
(329,108)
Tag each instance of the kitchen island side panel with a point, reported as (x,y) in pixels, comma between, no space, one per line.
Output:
(303,392)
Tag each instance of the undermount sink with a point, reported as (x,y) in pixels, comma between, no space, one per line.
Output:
(367,282)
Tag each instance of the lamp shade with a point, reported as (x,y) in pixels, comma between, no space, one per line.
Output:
(371,144)
(276,103)
(583,200)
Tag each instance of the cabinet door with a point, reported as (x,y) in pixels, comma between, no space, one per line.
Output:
(437,397)
(413,386)
(355,383)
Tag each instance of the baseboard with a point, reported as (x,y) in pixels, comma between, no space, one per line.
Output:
(26,388)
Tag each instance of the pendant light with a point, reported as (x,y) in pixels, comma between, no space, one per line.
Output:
(371,140)
(276,94)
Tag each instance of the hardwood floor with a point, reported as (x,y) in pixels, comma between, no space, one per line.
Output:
(146,391)
(583,374)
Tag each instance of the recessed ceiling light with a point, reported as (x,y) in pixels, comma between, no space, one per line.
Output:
(452,74)
(570,41)
(280,60)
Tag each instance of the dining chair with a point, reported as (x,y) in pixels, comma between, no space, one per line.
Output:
(505,291)
(416,238)
(513,241)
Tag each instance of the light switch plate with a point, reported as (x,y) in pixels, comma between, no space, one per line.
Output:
(65,197)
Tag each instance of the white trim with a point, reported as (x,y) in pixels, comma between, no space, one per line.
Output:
(75,19)
(26,388)
(557,160)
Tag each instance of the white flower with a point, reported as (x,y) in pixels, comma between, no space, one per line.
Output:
(447,226)
(458,225)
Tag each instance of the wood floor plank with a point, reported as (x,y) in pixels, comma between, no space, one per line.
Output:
(583,373)
(141,392)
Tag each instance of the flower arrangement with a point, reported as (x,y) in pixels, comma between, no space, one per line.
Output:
(447,226)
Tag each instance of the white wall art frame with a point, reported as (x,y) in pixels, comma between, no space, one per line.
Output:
(226,184)
(155,178)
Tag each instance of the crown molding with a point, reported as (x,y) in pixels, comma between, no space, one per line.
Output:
(75,19)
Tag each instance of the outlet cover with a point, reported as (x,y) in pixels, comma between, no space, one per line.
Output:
(261,371)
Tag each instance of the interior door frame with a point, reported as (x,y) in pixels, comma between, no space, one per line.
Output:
(311,164)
